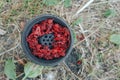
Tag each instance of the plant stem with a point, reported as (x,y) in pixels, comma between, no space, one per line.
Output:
(24,77)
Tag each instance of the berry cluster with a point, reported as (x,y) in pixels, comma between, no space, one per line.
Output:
(60,42)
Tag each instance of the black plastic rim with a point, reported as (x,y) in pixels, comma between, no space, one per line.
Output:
(26,32)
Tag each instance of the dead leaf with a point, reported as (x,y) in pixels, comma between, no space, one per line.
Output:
(22,24)
(2,32)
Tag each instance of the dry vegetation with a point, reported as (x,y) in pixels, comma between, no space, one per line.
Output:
(100,58)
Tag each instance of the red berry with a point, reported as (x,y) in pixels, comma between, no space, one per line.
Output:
(79,62)
(80,37)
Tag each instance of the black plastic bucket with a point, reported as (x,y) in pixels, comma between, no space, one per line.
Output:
(26,32)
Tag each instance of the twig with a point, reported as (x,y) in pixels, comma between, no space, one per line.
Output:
(86,37)
(103,2)
(82,30)
(91,34)
(20,61)
(9,49)
(86,5)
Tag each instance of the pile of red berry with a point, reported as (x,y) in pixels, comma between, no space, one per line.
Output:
(60,43)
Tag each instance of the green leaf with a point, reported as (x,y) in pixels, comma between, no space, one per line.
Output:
(100,57)
(74,36)
(50,2)
(77,22)
(115,38)
(109,12)
(67,3)
(8,0)
(9,69)
(32,70)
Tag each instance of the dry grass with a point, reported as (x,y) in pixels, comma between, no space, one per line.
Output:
(101,59)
